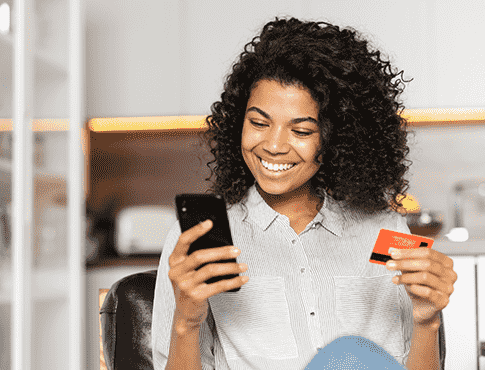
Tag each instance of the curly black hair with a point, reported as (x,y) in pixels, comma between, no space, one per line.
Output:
(363,133)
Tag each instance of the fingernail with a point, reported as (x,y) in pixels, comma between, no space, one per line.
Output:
(394,252)
(390,265)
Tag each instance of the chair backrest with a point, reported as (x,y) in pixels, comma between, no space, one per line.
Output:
(126,320)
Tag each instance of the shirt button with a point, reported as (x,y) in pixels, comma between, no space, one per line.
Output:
(302,269)
(312,313)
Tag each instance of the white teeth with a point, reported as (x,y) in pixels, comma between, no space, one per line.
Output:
(276,167)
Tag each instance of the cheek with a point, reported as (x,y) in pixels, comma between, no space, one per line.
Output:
(244,134)
(248,139)
(307,149)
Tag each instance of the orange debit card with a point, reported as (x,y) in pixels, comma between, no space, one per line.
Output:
(392,239)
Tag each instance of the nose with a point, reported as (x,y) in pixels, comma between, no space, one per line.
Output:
(276,141)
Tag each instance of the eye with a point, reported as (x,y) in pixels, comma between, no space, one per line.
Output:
(257,123)
(298,133)
(302,133)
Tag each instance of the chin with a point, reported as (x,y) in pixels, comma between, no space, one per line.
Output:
(275,189)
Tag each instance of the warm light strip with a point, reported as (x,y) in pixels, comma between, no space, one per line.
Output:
(59,124)
(416,117)
(147,123)
(444,115)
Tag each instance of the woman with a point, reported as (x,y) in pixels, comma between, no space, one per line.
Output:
(309,150)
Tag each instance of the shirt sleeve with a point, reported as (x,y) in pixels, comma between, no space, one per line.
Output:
(405,300)
(164,308)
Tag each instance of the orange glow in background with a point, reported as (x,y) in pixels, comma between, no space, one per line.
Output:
(416,117)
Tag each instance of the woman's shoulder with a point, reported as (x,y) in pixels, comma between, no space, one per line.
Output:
(359,219)
(237,212)
(171,238)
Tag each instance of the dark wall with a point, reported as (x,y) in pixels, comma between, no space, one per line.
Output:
(141,168)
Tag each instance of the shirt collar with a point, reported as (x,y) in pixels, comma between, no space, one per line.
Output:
(330,215)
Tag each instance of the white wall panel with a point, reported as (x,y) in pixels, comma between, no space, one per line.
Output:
(460,54)
(170,58)
(132,58)
(215,35)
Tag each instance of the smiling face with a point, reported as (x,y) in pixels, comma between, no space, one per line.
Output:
(281,137)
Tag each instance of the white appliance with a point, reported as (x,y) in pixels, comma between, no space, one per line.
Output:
(143,229)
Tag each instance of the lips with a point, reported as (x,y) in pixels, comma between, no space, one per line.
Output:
(276,168)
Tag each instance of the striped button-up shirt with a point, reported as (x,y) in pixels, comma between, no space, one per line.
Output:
(304,290)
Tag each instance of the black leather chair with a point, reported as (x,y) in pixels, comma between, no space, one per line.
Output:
(126,322)
(126,319)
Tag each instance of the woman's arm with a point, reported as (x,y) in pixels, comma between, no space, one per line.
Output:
(184,353)
(424,352)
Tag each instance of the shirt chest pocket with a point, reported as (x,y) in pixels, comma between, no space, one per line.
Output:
(370,307)
(255,321)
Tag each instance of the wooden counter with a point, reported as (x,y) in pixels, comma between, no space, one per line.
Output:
(148,260)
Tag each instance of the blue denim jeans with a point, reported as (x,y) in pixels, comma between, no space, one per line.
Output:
(353,353)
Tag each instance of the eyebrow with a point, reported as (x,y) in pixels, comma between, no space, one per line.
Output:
(294,120)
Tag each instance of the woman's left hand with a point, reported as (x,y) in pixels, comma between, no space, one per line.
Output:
(428,277)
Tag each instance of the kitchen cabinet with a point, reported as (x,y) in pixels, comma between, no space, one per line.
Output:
(171,57)
(460,317)
(426,39)
(465,314)
(458,54)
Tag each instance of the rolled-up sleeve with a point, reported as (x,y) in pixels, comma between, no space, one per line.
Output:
(164,308)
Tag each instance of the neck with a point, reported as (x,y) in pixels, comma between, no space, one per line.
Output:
(295,204)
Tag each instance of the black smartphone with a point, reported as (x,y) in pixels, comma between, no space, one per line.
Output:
(193,209)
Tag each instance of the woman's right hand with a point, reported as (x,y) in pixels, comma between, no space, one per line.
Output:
(190,290)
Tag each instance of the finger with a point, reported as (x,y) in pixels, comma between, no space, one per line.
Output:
(454,276)
(414,265)
(225,285)
(202,257)
(422,253)
(218,269)
(204,291)
(436,297)
(425,278)
(186,239)
(193,278)
(445,270)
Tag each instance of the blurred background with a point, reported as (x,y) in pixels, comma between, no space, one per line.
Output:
(150,71)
